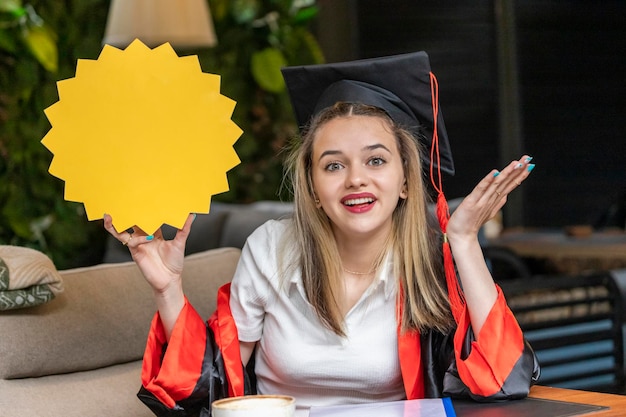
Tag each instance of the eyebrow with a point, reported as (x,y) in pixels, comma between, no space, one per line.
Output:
(366,148)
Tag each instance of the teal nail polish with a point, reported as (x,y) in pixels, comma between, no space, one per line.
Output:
(530,167)
(528,159)
(149,238)
(495,174)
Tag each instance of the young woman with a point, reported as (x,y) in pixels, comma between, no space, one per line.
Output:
(346,301)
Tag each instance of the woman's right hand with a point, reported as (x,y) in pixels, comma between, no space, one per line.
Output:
(161,262)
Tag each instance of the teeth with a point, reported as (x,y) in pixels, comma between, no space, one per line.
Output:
(355,201)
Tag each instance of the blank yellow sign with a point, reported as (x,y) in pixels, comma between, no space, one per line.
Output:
(143,135)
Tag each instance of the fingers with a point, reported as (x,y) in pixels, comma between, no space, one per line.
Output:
(127,241)
(512,176)
(498,184)
(135,236)
(131,237)
(488,197)
(492,191)
(182,234)
(108,226)
(125,237)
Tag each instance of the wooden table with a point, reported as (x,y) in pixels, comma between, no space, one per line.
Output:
(540,397)
(616,403)
(562,253)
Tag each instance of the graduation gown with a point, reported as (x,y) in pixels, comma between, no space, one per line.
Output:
(202,362)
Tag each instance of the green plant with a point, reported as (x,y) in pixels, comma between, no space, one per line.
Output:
(256,38)
(40,43)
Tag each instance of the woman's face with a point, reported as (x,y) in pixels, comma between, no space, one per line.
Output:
(357,175)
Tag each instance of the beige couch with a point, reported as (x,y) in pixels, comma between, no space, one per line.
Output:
(80,354)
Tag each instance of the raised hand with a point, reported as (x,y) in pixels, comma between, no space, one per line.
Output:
(487,198)
(476,209)
(161,262)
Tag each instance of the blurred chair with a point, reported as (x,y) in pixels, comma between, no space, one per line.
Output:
(614,216)
(505,264)
(576,326)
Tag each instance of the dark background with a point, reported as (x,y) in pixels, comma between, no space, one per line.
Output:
(543,77)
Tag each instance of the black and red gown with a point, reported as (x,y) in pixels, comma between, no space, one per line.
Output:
(202,362)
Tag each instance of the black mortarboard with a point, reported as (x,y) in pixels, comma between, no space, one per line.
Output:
(399,84)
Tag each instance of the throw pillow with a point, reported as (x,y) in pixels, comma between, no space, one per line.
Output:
(27,278)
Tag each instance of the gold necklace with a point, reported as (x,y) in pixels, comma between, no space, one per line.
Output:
(359,273)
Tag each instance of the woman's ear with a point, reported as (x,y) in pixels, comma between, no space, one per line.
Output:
(404,192)
(318,204)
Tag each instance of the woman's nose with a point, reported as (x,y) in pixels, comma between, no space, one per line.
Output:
(356,176)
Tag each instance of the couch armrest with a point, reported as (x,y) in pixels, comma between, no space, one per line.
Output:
(102,317)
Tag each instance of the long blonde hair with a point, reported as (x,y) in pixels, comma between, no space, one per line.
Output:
(417,259)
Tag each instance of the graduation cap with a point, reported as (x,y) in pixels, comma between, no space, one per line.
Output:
(398,84)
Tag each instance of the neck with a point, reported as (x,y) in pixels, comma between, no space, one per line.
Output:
(361,257)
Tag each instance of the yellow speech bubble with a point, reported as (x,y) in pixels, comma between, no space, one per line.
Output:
(143,135)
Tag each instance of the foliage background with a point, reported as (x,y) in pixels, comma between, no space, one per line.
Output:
(40,43)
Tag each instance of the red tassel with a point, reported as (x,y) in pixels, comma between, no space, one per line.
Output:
(455,293)
(457,300)
(443,212)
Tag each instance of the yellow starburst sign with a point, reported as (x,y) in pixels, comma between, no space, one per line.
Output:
(143,135)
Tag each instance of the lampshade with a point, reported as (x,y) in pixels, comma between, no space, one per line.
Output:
(182,23)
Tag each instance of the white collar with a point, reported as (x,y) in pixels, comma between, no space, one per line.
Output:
(384,275)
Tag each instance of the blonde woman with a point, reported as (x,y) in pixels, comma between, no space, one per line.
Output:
(347,301)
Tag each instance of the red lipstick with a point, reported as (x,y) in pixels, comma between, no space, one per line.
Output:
(358,203)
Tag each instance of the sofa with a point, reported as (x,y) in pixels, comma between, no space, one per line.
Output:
(80,353)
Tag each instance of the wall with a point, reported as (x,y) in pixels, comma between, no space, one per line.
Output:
(570,68)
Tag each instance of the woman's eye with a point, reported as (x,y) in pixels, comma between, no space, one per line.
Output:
(376,161)
(333,166)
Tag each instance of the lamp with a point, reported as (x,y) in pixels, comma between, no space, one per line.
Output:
(183,23)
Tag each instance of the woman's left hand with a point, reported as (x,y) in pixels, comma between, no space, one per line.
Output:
(487,198)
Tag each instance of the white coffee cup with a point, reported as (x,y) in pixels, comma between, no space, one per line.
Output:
(255,406)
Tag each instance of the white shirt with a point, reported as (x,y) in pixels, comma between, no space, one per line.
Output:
(297,355)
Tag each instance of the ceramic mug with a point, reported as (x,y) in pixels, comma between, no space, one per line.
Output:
(255,406)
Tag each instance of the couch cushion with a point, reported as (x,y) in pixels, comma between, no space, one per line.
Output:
(109,392)
(241,223)
(102,317)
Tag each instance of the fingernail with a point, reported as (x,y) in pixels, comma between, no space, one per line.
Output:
(149,238)
(495,174)
(518,166)
(194,216)
(528,159)
(530,167)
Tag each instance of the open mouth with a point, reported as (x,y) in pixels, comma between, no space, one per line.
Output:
(358,201)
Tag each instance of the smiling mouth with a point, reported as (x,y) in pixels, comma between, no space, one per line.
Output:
(358,201)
